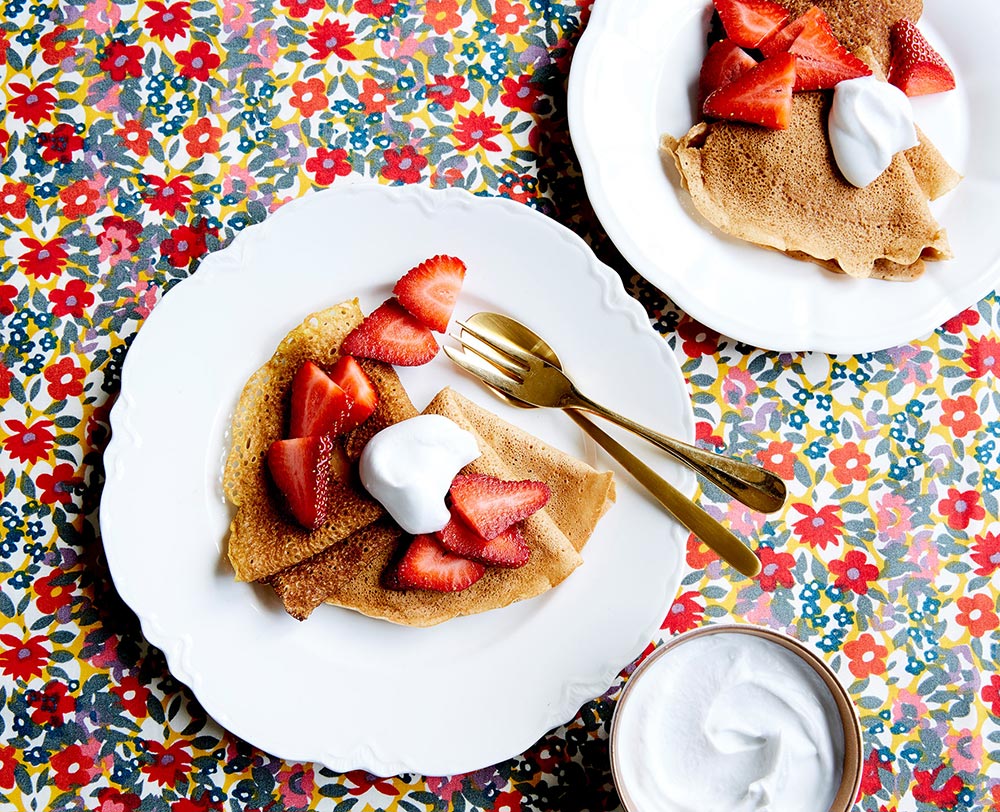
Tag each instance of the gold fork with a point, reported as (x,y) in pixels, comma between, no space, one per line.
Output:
(526,376)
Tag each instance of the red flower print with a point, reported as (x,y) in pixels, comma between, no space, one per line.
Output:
(29,443)
(4,139)
(118,239)
(71,300)
(168,765)
(983,357)
(960,508)
(703,433)
(818,527)
(509,17)
(442,15)
(183,245)
(57,486)
(43,259)
(198,61)
(517,187)
(957,323)
(520,93)
(167,22)
(403,164)
(854,572)
(448,91)
(778,457)
(977,614)
(60,144)
(31,104)
(477,130)
(871,780)
(121,60)
(986,553)
(23,659)
(201,138)
(65,378)
(991,694)
(50,704)
(14,199)
(8,762)
(945,797)
(507,802)
(961,415)
(300,8)
(775,569)
(135,137)
(685,613)
(331,37)
(310,96)
(696,339)
(57,46)
(112,800)
(167,197)
(328,164)
(72,767)
(866,657)
(5,378)
(7,294)
(376,8)
(849,464)
(365,782)
(133,695)
(699,555)
(80,199)
(373,96)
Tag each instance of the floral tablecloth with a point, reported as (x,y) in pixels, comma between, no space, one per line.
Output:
(136,136)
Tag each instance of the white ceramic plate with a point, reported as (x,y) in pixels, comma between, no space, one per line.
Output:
(342,689)
(635,76)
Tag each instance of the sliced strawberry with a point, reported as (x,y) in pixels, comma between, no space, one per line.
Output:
(301,469)
(822,61)
(748,22)
(724,62)
(390,334)
(508,549)
(430,290)
(491,505)
(319,405)
(762,95)
(428,565)
(916,68)
(781,40)
(349,376)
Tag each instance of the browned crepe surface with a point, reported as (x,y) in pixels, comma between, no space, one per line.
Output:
(263,537)
(349,574)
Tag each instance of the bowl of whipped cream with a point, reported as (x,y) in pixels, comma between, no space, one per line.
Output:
(735,718)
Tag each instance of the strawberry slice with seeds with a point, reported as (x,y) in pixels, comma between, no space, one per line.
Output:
(390,334)
(724,62)
(781,40)
(508,549)
(301,468)
(349,376)
(915,67)
(429,291)
(748,22)
(319,405)
(762,95)
(822,61)
(426,564)
(490,505)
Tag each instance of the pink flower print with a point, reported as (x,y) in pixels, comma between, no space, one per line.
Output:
(296,785)
(893,518)
(236,15)
(965,750)
(737,387)
(101,16)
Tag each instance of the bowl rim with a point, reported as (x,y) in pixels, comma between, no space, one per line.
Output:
(850,780)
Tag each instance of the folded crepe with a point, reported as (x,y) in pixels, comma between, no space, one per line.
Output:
(349,574)
(781,189)
(263,538)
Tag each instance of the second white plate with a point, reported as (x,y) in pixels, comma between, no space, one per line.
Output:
(634,77)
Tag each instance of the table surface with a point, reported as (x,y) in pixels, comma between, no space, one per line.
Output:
(136,136)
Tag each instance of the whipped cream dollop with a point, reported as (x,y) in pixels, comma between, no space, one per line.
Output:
(870,122)
(729,723)
(409,466)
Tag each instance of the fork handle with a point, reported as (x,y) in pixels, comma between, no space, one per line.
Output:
(727,545)
(752,485)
